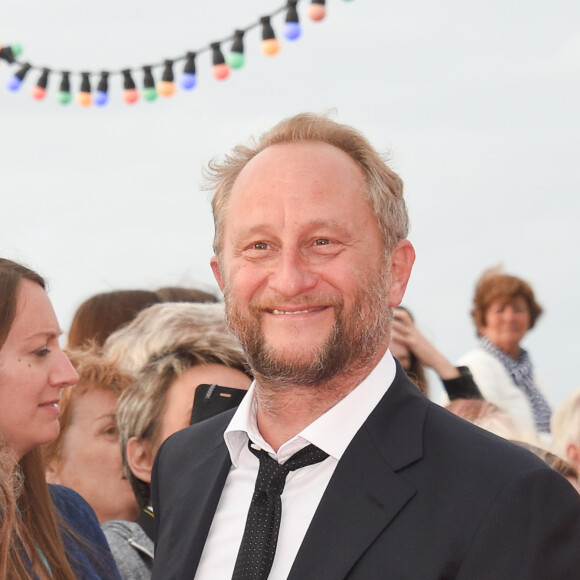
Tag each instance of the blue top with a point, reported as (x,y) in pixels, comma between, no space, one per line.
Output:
(90,558)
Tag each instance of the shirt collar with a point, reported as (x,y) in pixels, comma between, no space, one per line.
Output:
(331,432)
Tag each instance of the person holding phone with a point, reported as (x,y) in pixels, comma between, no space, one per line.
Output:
(159,403)
(415,352)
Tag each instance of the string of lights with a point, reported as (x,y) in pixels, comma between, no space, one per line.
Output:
(222,65)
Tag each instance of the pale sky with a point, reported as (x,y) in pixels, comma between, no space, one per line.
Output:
(477,105)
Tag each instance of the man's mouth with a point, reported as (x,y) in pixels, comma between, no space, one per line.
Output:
(294,312)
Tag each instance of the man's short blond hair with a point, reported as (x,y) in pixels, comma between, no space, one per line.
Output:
(383,187)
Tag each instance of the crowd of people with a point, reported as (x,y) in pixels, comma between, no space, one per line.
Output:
(107,473)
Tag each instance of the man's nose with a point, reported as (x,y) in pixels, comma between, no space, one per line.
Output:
(292,274)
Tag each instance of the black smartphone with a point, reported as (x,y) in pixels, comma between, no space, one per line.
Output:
(209,400)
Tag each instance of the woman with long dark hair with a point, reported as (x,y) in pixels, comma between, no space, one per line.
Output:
(55,534)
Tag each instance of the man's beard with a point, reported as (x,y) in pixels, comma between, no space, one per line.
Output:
(352,343)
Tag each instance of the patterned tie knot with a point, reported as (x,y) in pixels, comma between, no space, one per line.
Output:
(272,475)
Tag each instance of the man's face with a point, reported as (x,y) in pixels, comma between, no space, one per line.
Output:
(303,267)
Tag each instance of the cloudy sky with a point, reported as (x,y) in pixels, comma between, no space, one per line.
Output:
(476,104)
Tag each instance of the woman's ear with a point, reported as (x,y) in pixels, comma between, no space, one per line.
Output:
(140,458)
(53,472)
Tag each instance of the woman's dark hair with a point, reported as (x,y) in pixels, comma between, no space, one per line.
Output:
(100,315)
(11,275)
(416,370)
(38,529)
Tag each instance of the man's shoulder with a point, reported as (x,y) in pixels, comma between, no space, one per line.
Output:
(208,428)
(196,440)
(412,430)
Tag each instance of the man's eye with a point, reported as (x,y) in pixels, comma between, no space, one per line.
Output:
(322,242)
(261,246)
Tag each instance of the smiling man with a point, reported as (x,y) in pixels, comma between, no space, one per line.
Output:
(335,465)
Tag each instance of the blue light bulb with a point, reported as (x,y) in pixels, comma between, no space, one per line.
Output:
(14,83)
(292,30)
(100,98)
(188,81)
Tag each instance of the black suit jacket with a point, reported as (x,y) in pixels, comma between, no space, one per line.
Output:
(418,494)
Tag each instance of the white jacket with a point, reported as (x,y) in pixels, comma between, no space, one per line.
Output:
(498,387)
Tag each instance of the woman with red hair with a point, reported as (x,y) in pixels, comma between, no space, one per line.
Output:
(504,310)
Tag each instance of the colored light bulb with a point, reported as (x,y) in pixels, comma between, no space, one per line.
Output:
(269,45)
(130,96)
(16,50)
(130,93)
(15,82)
(166,88)
(220,70)
(101,97)
(317,10)
(64,97)
(292,29)
(188,81)
(38,92)
(9,53)
(149,90)
(84,98)
(236,59)
(189,78)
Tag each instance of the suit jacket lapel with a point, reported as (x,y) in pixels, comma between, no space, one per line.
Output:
(365,494)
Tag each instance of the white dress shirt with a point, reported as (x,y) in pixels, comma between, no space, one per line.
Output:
(332,432)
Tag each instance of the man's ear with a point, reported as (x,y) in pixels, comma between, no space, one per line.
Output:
(402,259)
(140,458)
(216,272)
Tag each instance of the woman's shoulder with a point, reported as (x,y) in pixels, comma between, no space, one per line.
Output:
(132,548)
(476,353)
(121,531)
(87,547)
(488,372)
(70,505)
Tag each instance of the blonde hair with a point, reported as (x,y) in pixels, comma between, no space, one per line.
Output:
(491,418)
(384,188)
(158,329)
(565,423)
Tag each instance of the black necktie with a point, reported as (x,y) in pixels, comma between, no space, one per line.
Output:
(261,533)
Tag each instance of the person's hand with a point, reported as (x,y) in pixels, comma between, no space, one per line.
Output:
(406,333)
